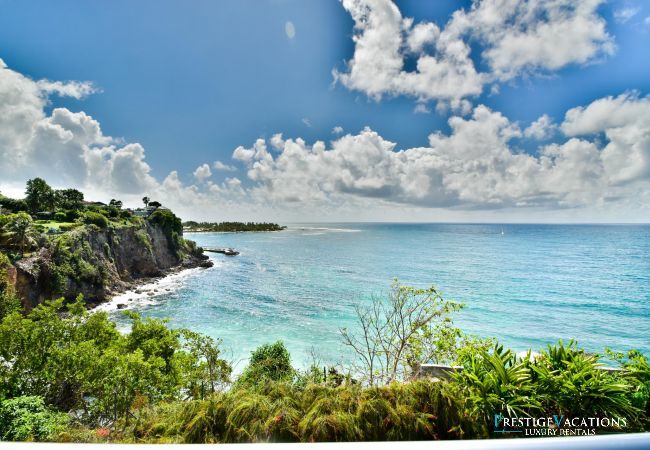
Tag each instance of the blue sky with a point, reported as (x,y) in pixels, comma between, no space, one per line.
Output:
(191,82)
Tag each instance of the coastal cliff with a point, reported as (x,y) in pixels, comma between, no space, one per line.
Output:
(100,262)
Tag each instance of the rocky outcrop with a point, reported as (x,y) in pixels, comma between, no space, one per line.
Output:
(99,263)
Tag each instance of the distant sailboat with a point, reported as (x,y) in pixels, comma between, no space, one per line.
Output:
(502,233)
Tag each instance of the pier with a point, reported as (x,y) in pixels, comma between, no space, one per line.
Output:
(224,250)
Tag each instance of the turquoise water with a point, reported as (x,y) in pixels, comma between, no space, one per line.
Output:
(529,286)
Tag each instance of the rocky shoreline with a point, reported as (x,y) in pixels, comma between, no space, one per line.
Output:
(142,286)
(102,263)
(146,288)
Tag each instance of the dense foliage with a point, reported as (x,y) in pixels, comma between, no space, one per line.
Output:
(231,226)
(67,374)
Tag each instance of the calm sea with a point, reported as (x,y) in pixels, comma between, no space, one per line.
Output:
(527,285)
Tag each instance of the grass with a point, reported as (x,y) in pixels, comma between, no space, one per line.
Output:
(52,223)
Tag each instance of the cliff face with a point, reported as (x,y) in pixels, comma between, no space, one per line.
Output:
(100,262)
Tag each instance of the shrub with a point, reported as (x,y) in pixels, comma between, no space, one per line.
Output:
(167,220)
(71,215)
(95,218)
(563,373)
(60,216)
(27,418)
(270,362)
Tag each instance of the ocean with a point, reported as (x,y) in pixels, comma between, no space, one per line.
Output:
(527,285)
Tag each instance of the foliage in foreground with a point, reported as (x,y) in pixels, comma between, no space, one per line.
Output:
(69,375)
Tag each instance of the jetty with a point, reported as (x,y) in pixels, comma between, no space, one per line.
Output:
(224,250)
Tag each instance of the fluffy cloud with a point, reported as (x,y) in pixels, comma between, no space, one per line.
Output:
(516,36)
(605,160)
(625,122)
(474,166)
(202,172)
(541,129)
(382,39)
(218,165)
(528,35)
(68,148)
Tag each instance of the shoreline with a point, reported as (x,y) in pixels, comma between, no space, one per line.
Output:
(145,288)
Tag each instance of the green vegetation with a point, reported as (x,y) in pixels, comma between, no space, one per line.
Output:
(69,375)
(192,226)
(9,302)
(18,232)
(70,242)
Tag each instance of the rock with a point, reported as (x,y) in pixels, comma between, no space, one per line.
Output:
(121,306)
(127,256)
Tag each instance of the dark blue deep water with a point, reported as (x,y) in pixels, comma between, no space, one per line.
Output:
(528,285)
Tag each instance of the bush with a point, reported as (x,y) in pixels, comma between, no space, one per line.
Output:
(71,215)
(270,362)
(27,418)
(171,225)
(60,216)
(95,218)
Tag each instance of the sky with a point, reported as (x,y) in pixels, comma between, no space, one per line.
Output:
(320,110)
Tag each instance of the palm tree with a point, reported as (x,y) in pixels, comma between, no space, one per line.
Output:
(19,232)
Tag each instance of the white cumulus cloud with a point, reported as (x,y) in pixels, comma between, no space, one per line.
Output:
(218,165)
(202,172)
(541,129)
(515,36)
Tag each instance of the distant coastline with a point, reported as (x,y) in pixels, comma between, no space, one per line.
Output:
(230,227)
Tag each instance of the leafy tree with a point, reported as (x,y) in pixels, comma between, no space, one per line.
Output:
(155,204)
(39,196)
(12,204)
(207,372)
(145,200)
(70,199)
(115,203)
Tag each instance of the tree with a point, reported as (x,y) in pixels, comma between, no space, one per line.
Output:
(71,199)
(155,204)
(145,200)
(19,232)
(39,196)
(207,371)
(400,334)
(115,203)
